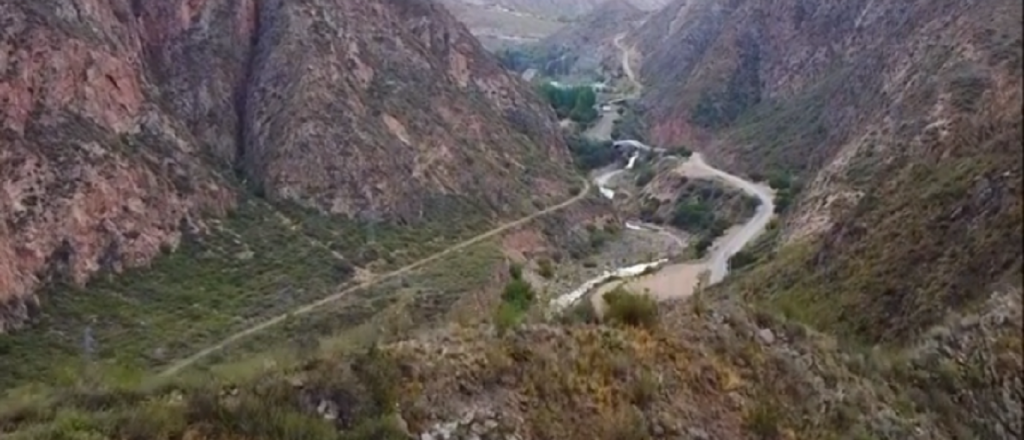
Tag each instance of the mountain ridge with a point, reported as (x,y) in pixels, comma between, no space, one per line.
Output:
(186,106)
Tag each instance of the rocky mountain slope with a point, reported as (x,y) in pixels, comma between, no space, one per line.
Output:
(900,120)
(892,130)
(886,304)
(128,124)
(588,41)
(564,8)
(504,23)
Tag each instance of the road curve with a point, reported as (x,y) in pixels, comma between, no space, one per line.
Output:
(734,241)
(373,280)
(625,61)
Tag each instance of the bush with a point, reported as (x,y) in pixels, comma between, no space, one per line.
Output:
(644,176)
(545,268)
(644,389)
(702,245)
(516,300)
(515,270)
(625,307)
(763,421)
(741,259)
(590,154)
(576,103)
(519,294)
(506,317)
(581,313)
(681,151)
(693,216)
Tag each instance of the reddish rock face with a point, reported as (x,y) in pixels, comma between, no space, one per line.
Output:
(117,119)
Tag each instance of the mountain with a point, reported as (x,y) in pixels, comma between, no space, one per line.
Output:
(503,23)
(891,132)
(899,120)
(884,301)
(128,125)
(565,8)
(589,41)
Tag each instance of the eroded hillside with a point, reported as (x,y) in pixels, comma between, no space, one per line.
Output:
(884,302)
(901,122)
(128,124)
(582,46)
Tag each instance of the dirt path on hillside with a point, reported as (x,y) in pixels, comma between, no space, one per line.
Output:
(374,279)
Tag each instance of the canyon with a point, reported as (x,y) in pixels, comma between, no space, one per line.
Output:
(329,219)
(128,124)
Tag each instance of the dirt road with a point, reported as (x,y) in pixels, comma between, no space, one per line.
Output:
(371,281)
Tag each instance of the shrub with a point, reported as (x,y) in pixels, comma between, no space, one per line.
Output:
(644,389)
(681,151)
(590,154)
(763,421)
(545,268)
(515,302)
(628,308)
(519,293)
(645,176)
(741,259)
(702,245)
(506,317)
(581,313)
(693,216)
(516,271)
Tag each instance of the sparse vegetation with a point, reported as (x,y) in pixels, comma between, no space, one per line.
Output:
(576,103)
(516,299)
(741,259)
(644,175)
(546,268)
(628,308)
(629,126)
(590,154)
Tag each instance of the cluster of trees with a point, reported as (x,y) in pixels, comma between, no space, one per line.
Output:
(786,187)
(698,217)
(576,103)
(516,300)
(590,154)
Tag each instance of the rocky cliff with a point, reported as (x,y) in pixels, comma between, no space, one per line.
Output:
(126,123)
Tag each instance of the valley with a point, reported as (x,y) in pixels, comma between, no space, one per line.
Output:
(511,220)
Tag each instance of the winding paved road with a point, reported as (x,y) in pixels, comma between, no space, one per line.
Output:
(734,240)
(717,263)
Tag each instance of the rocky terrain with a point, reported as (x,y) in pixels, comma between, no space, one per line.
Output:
(900,120)
(883,302)
(127,125)
(589,41)
(503,23)
(558,8)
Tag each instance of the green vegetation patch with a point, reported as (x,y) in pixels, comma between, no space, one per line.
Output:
(632,309)
(591,154)
(897,264)
(576,103)
(249,267)
(516,300)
